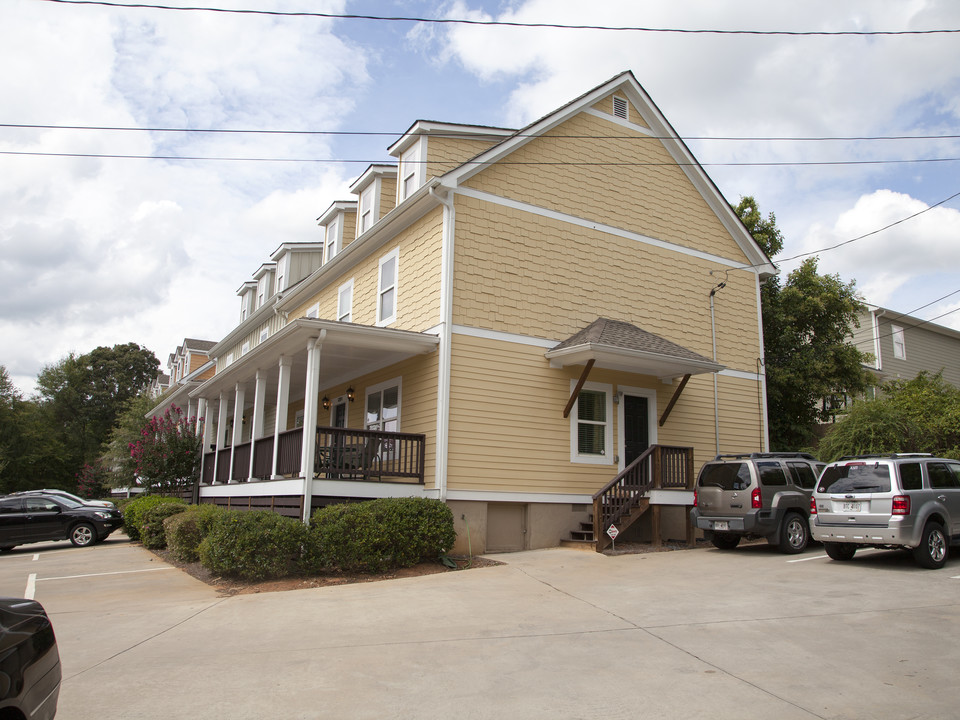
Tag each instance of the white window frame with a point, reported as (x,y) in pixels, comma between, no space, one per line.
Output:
(588,459)
(412,169)
(899,342)
(394,255)
(245,348)
(396,382)
(367,209)
(332,235)
(313,312)
(264,334)
(345,307)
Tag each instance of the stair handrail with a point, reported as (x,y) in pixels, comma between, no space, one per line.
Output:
(622,494)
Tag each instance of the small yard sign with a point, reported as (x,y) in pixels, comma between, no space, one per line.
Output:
(613,532)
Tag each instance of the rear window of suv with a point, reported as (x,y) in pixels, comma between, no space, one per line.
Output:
(856,477)
(728,476)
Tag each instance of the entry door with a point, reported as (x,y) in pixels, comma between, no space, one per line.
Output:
(340,415)
(636,427)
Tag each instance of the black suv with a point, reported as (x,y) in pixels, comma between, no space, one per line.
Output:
(756,495)
(36,518)
(29,661)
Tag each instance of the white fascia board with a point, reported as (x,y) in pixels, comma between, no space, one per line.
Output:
(337,206)
(248,285)
(372,173)
(421,128)
(259,315)
(264,269)
(295,247)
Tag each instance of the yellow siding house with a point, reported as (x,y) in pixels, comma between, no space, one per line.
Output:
(549,329)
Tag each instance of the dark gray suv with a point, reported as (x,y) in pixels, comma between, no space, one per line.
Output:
(756,495)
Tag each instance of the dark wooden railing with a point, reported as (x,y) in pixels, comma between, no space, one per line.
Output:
(341,454)
(659,466)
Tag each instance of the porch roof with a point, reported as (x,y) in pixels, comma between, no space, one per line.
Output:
(618,345)
(347,351)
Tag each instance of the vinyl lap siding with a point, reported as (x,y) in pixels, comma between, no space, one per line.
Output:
(653,197)
(444,154)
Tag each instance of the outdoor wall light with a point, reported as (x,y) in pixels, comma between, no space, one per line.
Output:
(351,394)
(325,402)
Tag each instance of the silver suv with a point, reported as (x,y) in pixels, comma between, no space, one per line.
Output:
(756,495)
(907,501)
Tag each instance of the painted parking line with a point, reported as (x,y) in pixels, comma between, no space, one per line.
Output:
(118,572)
(863,551)
(31,587)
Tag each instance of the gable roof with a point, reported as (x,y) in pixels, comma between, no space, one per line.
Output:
(618,345)
(627,84)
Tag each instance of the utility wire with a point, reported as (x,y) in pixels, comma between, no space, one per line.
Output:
(863,332)
(559,163)
(361,133)
(506,23)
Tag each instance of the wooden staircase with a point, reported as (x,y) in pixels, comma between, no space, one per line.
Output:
(624,499)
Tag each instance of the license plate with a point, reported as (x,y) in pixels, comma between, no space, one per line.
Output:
(721,525)
(851,507)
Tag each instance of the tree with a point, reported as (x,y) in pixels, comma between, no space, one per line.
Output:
(807,324)
(167,454)
(120,467)
(918,415)
(84,394)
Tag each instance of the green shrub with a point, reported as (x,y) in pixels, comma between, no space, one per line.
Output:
(134,511)
(152,531)
(377,535)
(187,530)
(252,545)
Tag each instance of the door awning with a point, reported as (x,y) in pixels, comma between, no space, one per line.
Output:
(618,345)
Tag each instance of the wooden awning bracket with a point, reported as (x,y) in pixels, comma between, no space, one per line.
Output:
(673,400)
(576,391)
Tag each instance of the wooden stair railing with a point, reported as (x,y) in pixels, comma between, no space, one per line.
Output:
(623,500)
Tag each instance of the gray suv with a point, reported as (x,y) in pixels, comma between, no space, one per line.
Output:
(756,495)
(906,501)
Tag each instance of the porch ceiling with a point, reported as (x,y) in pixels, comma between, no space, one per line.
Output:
(347,351)
(617,345)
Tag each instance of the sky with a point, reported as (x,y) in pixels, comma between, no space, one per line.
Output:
(99,251)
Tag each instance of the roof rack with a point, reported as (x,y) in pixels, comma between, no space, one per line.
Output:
(884,456)
(741,456)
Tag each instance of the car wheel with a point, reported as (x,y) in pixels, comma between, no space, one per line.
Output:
(83,534)
(839,551)
(794,534)
(723,541)
(932,551)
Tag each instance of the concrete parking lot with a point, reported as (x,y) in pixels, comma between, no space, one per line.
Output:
(549,634)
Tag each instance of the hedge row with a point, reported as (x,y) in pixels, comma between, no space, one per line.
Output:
(371,536)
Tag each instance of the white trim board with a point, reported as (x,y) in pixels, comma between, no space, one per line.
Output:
(600,227)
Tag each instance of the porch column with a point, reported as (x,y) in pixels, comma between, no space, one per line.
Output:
(221,433)
(191,408)
(310,416)
(205,430)
(283,408)
(238,399)
(200,422)
(256,431)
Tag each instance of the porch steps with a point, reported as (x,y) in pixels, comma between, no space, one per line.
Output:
(584,538)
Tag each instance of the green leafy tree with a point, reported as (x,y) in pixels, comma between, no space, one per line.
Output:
(918,415)
(167,454)
(807,324)
(120,467)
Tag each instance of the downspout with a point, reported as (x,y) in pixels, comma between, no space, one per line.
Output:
(446,334)
(716,396)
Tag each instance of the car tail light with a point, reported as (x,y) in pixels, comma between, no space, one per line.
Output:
(755,501)
(901,504)
(813,506)
(695,498)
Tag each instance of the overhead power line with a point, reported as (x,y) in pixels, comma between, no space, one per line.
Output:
(509,23)
(559,163)
(376,133)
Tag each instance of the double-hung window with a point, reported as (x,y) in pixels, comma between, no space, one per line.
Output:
(345,302)
(411,172)
(366,209)
(332,239)
(383,407)
(591,426)
(899,344)
(387,288)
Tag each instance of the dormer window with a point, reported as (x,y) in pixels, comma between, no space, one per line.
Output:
(332,239)
(411,172)
(366,217)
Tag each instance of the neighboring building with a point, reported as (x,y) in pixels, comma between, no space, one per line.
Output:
(503,320)
(187,368)
(903,346)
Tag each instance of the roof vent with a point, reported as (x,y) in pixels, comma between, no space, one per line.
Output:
(619,107)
